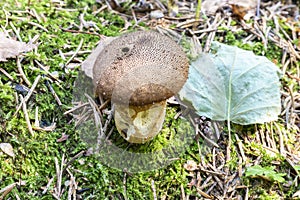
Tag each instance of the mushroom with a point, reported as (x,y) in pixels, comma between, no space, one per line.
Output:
(138,72)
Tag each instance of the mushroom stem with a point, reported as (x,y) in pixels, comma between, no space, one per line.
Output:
(139,124)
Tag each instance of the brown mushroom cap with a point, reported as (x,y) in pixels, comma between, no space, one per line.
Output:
(140,68)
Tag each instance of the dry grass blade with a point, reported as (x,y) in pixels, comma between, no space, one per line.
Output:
(72,187)
(26,98)
(96,111)
(48,186)
(6,74)
(6,190)
(72,160)
(22,72)
(53,93)
(75,108)
(26,116)
(59,173)
(75,53)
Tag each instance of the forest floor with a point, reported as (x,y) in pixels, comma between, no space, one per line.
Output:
(42,153)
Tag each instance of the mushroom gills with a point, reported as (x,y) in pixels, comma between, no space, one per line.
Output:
(139,124)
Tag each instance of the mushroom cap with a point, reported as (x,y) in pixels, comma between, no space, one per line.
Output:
(140,68)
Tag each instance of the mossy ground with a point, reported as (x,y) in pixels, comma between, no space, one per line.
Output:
(35,157)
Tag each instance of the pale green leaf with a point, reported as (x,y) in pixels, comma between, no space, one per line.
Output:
(267,172)
(233,84)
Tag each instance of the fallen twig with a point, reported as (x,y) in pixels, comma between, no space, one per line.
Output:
(26,116)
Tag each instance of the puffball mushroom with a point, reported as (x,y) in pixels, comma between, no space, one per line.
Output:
(139,71)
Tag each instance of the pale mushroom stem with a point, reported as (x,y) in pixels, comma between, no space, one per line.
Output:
(139,124)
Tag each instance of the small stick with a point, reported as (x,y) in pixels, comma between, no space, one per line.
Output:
(92,103)
(110,116)
(183,196)
(103,104)
(70,192)
(72,160)
(76,108)
(292,77)
(293,51)
(204,194)
(208,140)
(222,185)
(53,93)
(124,186)
(293,166)
(26,98)
(70,53)
(258,9)
(26,116)
(84,116)
(134,17)
(6,74)
(48,73)
(6,18)
(55,196)
(205,30)
(59,174)
(35,14)
(100,10)
(212,185)
(83,32)
(16,31)
(36,81)
(39,26)
(17,197)
(36,117)
(212,172)
(247,193)
(281,142)
(75,53)
(48,185)
(72,187)
(22,72)
(109,134)
(153,189)
(206,183)
(6,190)
(214,158)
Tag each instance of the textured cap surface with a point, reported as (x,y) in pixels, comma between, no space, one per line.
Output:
(140,68)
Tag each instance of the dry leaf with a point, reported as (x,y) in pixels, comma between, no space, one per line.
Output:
(11,48)
(7,148)
(243,9)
